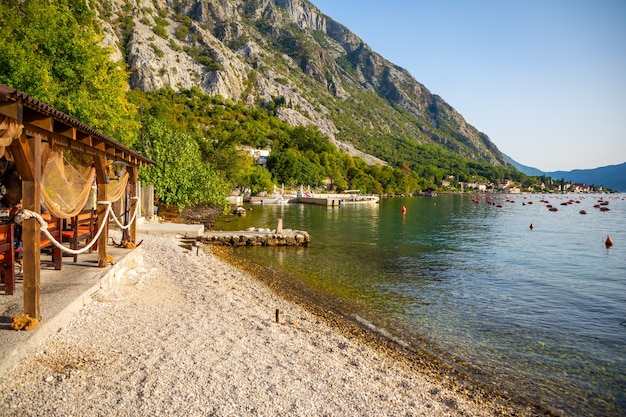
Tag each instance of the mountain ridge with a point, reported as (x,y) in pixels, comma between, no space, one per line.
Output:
(609,176)
(289,51)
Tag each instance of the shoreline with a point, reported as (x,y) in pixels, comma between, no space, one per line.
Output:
(186,334)
(419,361)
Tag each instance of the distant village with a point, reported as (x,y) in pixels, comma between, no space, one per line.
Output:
(510,187)
(451,184)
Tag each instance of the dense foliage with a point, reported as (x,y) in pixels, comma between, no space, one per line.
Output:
(178,176)
(52,51)
(299,155)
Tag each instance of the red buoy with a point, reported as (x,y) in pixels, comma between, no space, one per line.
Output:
(608,242)
(403,209)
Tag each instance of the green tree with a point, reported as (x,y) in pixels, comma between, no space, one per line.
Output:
(52,51)
(180,176)
(258,179)
(291,168)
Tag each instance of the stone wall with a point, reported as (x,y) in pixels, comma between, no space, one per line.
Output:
(295,238)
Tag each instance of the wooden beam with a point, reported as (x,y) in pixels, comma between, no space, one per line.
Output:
(132,181)
(65,130)
(37,116)
(31,249)
(38,120)
(44,158)
(79,146)
(101,177)
(14,110)
(23,158)
(85,139)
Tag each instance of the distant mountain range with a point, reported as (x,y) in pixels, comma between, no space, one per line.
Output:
(611,176)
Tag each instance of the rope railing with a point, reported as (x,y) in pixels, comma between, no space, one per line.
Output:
(131,220)
(43,225)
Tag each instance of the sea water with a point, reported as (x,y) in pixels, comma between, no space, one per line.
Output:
(539,312)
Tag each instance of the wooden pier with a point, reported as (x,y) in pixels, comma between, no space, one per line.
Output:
(322,201)
(337,200)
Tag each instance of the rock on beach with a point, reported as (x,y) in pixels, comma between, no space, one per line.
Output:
(190,335)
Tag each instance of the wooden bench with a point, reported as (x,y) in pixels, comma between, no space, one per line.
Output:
(7,259)
(55,228)
(82,227)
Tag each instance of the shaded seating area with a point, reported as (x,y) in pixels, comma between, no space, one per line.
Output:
(46,245)
(53,162)
(7,270)
(80,229)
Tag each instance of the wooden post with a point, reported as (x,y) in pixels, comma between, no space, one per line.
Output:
(28,160)
(100,164)
(132,180)
(31,251)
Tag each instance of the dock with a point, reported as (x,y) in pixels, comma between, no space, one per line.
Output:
(337,200)
(322,201)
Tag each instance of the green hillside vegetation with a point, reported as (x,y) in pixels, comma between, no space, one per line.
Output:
(300,155)
(52,51)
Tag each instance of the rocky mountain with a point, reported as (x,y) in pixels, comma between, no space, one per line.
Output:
(289,55)
(611,176)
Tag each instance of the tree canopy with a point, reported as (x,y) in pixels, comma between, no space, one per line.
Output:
(53,51)
(179,175)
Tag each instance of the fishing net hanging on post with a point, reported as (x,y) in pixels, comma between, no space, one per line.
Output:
(66,182)
(9,130)
(116,188)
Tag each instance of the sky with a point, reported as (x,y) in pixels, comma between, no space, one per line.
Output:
(544,79)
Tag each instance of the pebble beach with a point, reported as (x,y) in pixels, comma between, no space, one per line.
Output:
(187,334)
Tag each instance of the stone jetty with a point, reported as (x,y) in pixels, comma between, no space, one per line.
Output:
(256,237)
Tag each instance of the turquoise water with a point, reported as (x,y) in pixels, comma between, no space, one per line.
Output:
(540,312)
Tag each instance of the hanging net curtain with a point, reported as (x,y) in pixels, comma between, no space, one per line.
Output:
(9,129)
(66,182)
(116,188)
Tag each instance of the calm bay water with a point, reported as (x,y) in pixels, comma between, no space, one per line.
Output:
(538,312)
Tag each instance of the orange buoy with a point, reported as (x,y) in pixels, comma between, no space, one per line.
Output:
(608,242)
(532,226)
(403,209)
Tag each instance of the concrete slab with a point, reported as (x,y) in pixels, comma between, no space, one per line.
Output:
(187,230)
(63,294)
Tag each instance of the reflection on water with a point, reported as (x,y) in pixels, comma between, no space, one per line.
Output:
(538,310)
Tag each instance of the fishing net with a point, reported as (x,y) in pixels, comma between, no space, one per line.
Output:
(9,130)
(66,182)
(116,188)
(68,178)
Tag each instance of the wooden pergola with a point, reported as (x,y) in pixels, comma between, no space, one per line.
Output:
(43,123)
